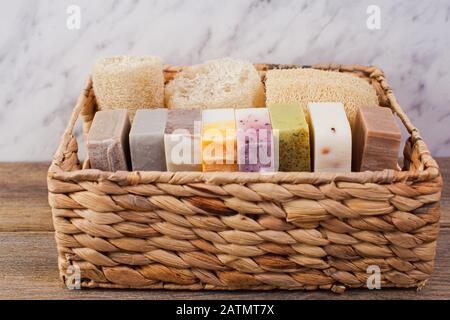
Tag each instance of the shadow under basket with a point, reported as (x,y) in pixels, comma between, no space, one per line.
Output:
(229,231)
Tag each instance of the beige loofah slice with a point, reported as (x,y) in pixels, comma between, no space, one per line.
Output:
(222,83)
(311,85)
(124,82)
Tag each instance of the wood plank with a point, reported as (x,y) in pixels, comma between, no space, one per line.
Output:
(23,197)
(29,271)
(24,206)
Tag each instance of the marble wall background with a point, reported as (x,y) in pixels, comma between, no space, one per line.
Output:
(43,64)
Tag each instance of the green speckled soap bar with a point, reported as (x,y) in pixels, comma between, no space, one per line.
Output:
(291,134)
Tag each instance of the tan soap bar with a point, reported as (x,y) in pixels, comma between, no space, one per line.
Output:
(376,139)
(331,137)
(147,140)
(107,141)
(182,140)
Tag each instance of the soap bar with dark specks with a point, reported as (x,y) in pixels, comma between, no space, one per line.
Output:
(107,141)
(255,140)
(291,137)
(331,137)
(376,139)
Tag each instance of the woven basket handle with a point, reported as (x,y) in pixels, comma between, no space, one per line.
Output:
(66,156)
(416,154)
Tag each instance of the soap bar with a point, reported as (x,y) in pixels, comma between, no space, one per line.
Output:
(331,137)
(254,140)
(376,139)
(291,137)
(107,141)
(219,140)
(182,140)
(147,140)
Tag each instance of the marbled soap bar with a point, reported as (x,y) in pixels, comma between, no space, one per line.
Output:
(291,137)
(107,141)
(331,137)
(376,139)
(219,140)
(147,140)
(254,140)
(182,140)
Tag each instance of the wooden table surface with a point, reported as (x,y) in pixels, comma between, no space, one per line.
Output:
(28,264)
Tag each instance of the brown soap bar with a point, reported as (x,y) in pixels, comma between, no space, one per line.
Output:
(107,142)
(376,139)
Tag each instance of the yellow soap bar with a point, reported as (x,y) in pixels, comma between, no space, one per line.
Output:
(219,140)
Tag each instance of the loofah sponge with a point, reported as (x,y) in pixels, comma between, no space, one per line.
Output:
(310,85)
(222,83)
(131,83)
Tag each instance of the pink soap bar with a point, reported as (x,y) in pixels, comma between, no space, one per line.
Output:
(376,140)
(107,142)
(254,140)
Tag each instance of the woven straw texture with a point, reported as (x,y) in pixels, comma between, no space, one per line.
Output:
(228,231)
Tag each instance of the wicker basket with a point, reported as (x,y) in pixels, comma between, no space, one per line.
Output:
(193,230)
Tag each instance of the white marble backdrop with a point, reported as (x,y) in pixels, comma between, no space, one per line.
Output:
(43,65)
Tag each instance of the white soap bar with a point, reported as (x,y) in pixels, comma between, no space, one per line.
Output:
(182,140)
(219,140)
(147,140)
(331,137)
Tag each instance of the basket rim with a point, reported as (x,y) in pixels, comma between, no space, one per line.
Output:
(66,166)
